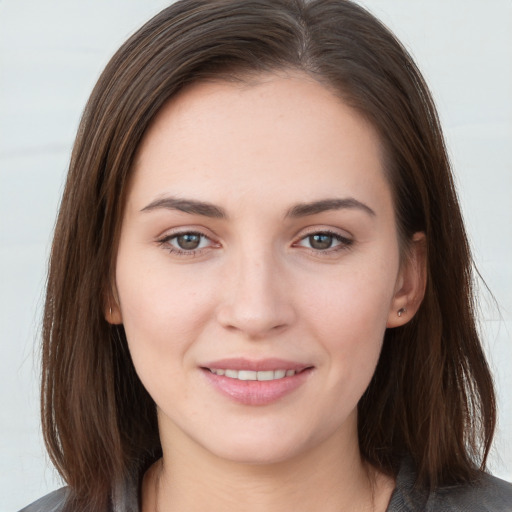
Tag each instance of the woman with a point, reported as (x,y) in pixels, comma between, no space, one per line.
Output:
(260,286)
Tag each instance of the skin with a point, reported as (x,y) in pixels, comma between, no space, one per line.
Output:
(258,287)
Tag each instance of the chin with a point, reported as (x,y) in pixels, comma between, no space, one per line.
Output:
(263,444)
(257,453)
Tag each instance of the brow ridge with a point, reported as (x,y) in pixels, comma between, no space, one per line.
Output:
(323,205)
(206,209)
(191,206)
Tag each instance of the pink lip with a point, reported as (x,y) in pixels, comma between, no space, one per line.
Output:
(240,363)
(251,392)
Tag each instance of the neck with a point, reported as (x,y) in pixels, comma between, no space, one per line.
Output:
(332,476)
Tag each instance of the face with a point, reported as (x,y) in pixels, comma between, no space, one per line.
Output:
(258,267)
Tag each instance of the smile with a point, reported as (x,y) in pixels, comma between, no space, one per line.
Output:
(256,382)
(265,375)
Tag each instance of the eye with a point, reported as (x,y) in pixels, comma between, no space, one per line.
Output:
(321,241)
(324,241)
(186,243)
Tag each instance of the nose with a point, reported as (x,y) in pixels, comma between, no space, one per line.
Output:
(255,298)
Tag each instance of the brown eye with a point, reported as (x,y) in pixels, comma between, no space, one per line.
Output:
(325,241)
(188,241)
(321,241)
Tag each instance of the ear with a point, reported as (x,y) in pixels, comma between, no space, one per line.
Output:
(111,309)
(410,284)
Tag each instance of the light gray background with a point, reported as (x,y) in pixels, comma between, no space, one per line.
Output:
(51,53)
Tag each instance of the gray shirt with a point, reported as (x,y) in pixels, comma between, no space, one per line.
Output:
(487,494)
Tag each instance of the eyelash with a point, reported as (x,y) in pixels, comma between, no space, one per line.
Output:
(165,242)
(344,243)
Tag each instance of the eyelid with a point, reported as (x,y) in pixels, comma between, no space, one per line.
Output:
(345,239)
(183,229)
(168,235)
(318,229)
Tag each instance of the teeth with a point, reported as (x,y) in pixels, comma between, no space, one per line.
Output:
(252,375)
(268,375)
(246,375)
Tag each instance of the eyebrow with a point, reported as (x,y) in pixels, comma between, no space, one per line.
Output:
(315,207)
(206,209)
(188,206)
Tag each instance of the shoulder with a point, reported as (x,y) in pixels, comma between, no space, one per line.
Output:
(53,502)
(485,494)
(125,498)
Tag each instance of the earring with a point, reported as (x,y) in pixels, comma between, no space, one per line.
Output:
(401,311)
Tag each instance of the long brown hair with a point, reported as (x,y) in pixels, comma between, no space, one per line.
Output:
(431,396)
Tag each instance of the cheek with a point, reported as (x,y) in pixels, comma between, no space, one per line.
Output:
(162,310)
(349,313)
(353,298)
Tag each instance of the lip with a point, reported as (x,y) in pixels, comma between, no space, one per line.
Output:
(240,363)
(254,392)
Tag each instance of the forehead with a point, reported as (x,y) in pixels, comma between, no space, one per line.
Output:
(285,133)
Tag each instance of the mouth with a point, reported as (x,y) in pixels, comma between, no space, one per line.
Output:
(262,375)
(256,382)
